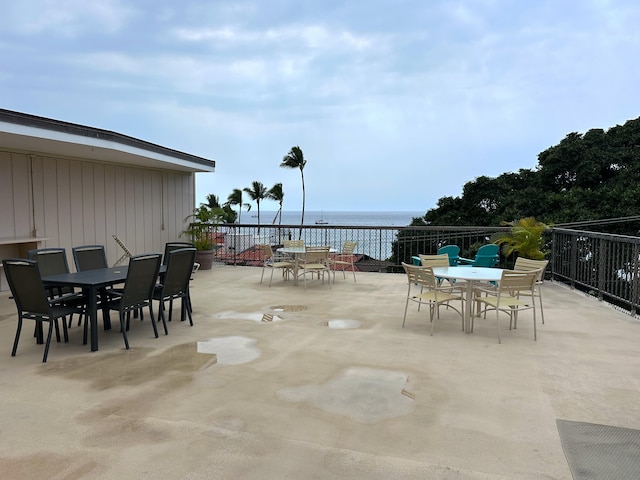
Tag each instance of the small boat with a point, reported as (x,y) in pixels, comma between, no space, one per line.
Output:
(322,221)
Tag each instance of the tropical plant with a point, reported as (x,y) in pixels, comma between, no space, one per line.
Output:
(277,194)
(295,159)
(202,223)
(525,238)
(235,198)
(227,214)
(257,192)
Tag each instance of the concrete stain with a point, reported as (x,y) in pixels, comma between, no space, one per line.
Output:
(130,368)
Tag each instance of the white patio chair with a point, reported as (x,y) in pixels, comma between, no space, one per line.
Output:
(273,262)
(525,265)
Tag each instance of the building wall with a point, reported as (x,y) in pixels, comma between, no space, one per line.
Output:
(75,202)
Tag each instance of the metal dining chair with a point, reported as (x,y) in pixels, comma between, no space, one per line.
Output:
(487,256)
(168,248)
(344,260)
(30,296)
(53,261)
(89,257)
(137,292)
(175,283)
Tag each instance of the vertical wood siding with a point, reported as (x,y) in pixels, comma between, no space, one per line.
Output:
(73,202)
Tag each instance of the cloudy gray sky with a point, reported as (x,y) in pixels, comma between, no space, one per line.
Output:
(395,103)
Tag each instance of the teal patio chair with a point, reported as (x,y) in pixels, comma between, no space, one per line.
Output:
(454,254)
(487,256)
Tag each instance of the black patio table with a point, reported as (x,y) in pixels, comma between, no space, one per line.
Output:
(91,281)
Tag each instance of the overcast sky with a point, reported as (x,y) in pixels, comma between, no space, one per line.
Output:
(395,103)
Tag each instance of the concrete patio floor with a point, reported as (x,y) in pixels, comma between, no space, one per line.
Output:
(283,383)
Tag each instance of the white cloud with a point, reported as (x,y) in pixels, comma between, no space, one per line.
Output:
(476,87)
(66,17)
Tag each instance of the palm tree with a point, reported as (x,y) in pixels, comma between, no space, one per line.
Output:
(225,212)
(295,159)
(235,198)
(257,192)
(276,193)
(524,238)
(212,201)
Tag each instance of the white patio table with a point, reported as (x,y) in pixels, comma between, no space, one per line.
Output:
(297,252)
(471,275)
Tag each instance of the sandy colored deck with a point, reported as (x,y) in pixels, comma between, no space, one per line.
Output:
(331,387)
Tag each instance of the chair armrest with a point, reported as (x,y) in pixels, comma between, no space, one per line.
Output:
(465,260)
(113,294)
(68,299)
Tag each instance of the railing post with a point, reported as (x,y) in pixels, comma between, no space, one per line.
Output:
(601,272)
(573,257)
(635,282)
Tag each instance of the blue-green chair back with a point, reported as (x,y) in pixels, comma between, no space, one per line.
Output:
(487,256)
(453,251)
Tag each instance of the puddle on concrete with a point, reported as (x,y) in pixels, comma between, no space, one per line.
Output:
(234,350)
(130,367)
(289,308)
(231,315)
(258,317)
(343,324)
(366,395)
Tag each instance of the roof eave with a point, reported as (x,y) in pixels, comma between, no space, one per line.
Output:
(42,136)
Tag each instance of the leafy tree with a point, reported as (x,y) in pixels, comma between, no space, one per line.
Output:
(257,192)
(276,193)
(235,198)
(295,159)
(585,177)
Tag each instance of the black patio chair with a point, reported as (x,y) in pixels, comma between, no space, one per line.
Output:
(32,302)
(175,283)
(94,257)
(89,257)
(53,261)
(168,247)
(137,292)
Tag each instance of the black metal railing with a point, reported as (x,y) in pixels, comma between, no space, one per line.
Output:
(380,248)
(603,265)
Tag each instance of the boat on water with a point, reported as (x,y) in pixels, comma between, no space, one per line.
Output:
(322,221)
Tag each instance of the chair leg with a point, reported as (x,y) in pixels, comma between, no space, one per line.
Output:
(123,327)
(65,330)
(185,306)
(541,309)
(153,323)
(46,347)
(406,306)
(153,320)
(189,306)
(15,342)
(57,327)
(161,310)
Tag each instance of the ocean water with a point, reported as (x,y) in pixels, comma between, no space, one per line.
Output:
(387,219)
